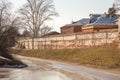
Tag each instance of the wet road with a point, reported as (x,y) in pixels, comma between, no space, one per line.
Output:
(88,72)
(52,70)
(36,70)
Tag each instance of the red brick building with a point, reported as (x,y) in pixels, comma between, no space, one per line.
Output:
(98,28)
(101,23)
(74,27)
(71,29)
(97,22)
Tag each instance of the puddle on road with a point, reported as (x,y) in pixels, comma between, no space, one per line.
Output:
(38,70)
(4,74)
(45,75)
(19,74)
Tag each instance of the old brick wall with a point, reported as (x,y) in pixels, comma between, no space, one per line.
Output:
(99,28)
(71,29)
(79,40)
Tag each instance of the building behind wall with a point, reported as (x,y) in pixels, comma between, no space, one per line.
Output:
(99,28)
(96,22)
(101,23)
(98,31)
(74,27)
(70,29)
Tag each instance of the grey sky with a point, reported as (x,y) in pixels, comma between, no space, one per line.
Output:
(73,9)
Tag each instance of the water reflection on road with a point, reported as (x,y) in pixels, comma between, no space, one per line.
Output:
(52,70)
(35,71)
(18,74)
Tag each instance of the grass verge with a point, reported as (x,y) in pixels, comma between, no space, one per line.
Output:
(97,57)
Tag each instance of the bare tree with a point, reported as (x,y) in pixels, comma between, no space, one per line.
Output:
(26,33)
(7,31)
(45,30)
(4,12)
(8,27)
(35,13)
(112,11)
(117,4)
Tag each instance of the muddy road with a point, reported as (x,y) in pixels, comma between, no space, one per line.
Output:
(39,69)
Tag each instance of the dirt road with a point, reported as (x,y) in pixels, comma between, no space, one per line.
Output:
(52,70)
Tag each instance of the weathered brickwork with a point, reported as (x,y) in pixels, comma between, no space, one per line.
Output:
(78,40)
(71,29)
(98,28)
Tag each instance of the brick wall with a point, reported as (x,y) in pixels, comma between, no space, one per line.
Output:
(98,28)
(71,29)
(89,39)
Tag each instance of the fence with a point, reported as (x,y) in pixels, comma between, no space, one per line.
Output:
(78,40)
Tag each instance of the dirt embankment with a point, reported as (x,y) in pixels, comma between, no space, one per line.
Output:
(7,60)
(107,58)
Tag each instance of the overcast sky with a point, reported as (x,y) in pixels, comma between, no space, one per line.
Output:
(72,10)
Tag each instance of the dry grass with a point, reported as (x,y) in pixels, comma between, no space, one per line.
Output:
(97,57)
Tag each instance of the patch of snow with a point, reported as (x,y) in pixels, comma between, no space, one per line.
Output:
(4,58)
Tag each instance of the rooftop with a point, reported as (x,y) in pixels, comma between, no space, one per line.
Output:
(95,19)
(106,20)
(80,22)
(103,19)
